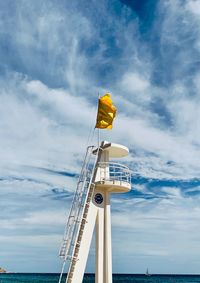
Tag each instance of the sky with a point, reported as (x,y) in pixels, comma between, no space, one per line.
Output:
(56,56)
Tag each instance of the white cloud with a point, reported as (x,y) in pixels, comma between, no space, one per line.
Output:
(193,6)
(133,82)
(159,232)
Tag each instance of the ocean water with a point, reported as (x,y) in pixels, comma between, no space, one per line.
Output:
(89,278)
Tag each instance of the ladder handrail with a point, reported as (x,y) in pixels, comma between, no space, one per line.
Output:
(65,247)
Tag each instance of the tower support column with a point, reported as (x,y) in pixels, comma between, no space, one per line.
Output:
(103,241)
(99,274)
(107,241)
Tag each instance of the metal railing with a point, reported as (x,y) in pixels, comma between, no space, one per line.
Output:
(110,171)
(75,214)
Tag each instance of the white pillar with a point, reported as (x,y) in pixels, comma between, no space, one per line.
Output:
(107,243)
(103,240)
(103,231)
(99,277)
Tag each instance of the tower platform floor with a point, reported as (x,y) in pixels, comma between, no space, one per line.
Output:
(114,186)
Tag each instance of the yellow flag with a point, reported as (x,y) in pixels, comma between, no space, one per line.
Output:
(106,112)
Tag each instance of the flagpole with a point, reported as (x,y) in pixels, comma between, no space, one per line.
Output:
(98,134)
(98,138)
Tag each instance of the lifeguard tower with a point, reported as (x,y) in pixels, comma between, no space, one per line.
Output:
(90,208)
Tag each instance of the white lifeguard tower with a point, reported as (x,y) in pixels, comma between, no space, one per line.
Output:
(90,208)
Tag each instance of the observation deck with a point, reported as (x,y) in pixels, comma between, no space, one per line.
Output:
(113,177)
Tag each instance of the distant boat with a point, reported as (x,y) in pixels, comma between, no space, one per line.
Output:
(147,273)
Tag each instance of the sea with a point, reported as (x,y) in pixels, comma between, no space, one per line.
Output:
(89,278)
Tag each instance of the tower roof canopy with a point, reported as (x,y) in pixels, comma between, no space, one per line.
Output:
(116,150)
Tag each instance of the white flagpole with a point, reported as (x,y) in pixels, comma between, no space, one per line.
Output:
(98,138)
(98,135)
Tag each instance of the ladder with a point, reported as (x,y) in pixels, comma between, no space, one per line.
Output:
(75,214)
(78,213)
(79,235)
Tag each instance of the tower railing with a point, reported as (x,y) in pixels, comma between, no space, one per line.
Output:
(117,172)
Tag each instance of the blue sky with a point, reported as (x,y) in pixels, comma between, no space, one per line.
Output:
(56,56)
